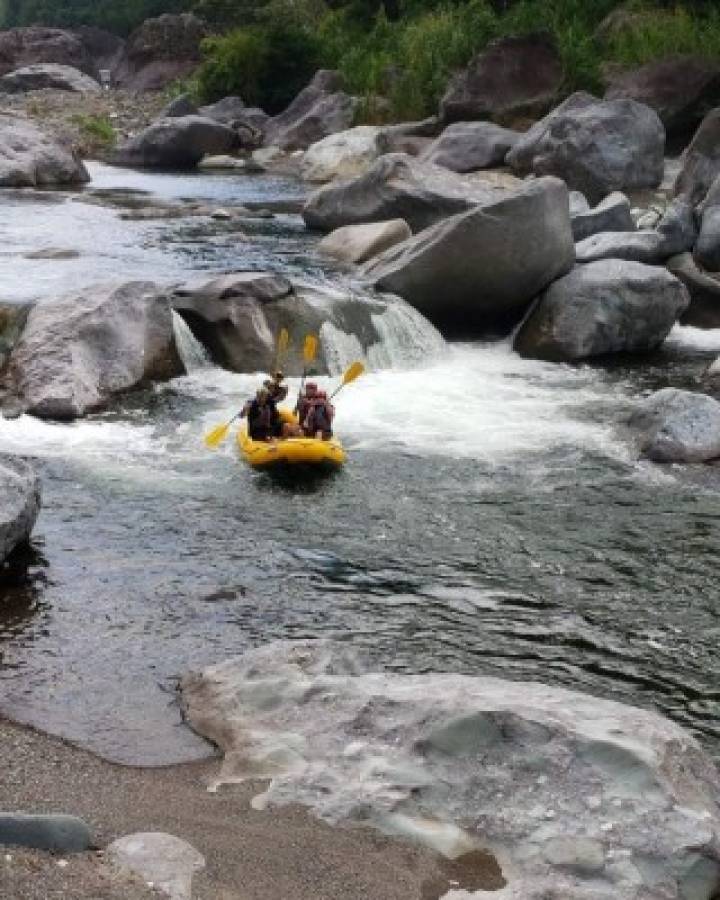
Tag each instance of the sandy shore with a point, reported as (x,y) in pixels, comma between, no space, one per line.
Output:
(281,854)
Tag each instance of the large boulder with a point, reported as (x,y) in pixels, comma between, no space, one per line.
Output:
(678,426)
(468,146)
(79,350)
(237,317)
(21,47)
(611,214)
(595,146)
(681,90)
(48,75)
(359,243)
(343,155)
(30,158)
(320,109)
(395,187)
(610,306)
(514,78)
(481,268)
(579,797)
(701,161)
(19,503)
(178,143)
(160,51)
(704,290)
(707,249)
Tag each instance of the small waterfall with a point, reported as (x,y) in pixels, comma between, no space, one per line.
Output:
(406,337)
(192,353)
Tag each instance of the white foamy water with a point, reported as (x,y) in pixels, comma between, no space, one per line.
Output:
(688,337)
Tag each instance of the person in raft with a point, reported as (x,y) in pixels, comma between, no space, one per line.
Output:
(315,412)
(263,420)
(275,387)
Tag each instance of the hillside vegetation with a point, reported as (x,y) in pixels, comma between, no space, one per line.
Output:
(396,54)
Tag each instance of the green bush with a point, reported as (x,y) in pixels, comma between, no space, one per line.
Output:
(652,34)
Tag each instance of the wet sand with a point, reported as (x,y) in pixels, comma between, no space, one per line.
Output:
(277,854)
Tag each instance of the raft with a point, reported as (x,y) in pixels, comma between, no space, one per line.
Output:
(284,452)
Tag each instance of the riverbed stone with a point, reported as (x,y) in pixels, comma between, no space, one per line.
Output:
(19,508)
(59,833)
(40,76)
(320,109)
(609,306)
(469,146)
(595,146)
(359,243)
(704,290)
(482,268)
(30,158)
(79,350)
(346,154)
(177,143)
(580,796)
(166,861)
(397,186)
(611,214)
(701,161)
(676,426)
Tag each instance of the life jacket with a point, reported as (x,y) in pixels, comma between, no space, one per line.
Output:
(261,420)
(319,415)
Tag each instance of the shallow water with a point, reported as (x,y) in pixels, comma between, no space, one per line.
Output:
(492,519)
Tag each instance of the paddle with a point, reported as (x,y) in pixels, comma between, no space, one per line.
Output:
(353,372)
(215,437)
(309,351)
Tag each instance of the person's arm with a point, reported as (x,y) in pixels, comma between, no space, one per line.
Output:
(246,409)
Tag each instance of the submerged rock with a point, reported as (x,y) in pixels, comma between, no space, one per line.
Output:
(238,316)
(178,143)
(678,426)
(30,158)
(577,796)
(79,350)
(610,306)
(19,508)
(481,268)
(595,146)
(359,243)
(396,187)
(166,861)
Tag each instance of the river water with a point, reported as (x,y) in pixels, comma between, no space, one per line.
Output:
(492,519)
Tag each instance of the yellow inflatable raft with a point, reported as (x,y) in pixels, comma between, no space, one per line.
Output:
(300,451)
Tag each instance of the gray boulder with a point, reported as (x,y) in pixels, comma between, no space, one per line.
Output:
(579,797)
(513,78)
(250,121)
(704,290)
(395,187)
(482,267)
(701,161)
(237,316)
(610,306)
(611,214)
(30,158)
(48,75)
(178,143)
(359,243)
(179,107)
(79,350)
(468,146)
(595,146)
(319,110)
(225,111)
(412,138)
(676,426)
(58,833)
(19,508)
(165,861)
(707,249)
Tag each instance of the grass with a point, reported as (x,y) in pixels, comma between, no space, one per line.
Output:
(97,132)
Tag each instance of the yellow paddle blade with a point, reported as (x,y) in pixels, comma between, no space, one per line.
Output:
(283,341)
(310,348)
(215,437)
(355,371)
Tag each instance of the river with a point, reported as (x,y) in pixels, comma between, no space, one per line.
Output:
(492,519)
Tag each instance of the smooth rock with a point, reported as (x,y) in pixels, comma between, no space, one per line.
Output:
(48,75)
(678,426)
(481,268)
(701,161)
(513,78)
(396,187)
(79,350)
(19,508)
(343,155)
(610,306)
(681,90)
(359,243)
(469,146)
(61,834)
(611,214)
(707,249)
(510,767)
(166,861)
(320,109)
(595,146)
(178,143)
(237,317)
(704,290)
(30,158)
